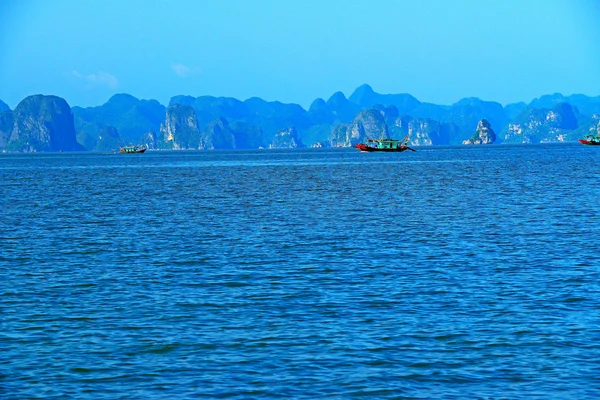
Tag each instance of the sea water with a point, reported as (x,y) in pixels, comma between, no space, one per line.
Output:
(450,272)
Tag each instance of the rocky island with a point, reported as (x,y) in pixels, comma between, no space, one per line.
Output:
(484,134)
(39,123)
(47,123)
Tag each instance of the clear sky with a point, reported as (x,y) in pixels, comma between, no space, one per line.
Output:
(297,50)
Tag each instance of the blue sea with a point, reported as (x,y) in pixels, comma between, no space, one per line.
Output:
(450,272)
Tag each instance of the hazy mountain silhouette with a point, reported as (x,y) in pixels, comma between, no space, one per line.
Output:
(226,122)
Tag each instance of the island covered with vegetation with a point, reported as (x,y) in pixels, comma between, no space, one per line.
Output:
(46,123)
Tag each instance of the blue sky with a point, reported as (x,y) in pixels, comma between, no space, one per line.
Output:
(297,50)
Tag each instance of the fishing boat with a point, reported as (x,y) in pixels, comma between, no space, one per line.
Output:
(385,145)
(590,140)
(131,149)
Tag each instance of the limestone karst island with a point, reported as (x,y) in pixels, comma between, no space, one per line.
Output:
(45,123)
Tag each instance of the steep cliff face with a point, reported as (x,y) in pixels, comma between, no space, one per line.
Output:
(149,140)
(268,116)
(367,124)
(217,135)
(484,134)
(180,130)
(7,123)
(424,131)
(385,121)
(542,125)
(286,139)
(43,123)
(421,131)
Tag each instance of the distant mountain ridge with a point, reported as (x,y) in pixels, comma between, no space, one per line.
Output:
(130,116)
(4,106)
(208,122)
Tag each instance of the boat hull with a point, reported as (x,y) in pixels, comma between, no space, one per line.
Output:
(137,151)
(589,142)
(368,149)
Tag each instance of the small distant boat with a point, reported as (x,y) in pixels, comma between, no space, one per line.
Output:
(591,140)
(385,145)
(131,149)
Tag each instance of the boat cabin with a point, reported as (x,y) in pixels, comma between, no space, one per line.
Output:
(131,149)
(384,143)
(593,138)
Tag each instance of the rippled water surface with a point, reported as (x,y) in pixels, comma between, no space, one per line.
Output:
(452,272)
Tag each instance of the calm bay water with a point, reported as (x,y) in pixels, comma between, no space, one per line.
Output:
(456,272)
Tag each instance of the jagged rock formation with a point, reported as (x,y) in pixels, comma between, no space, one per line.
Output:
(269,117)
(385,121)
(286,139)
(542,125)
(217,135)
(149,140)
(484,134)
(367,124)
(180,130)
(435,123)
(424,131)
(255,122)
(320,145)
(41,123)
